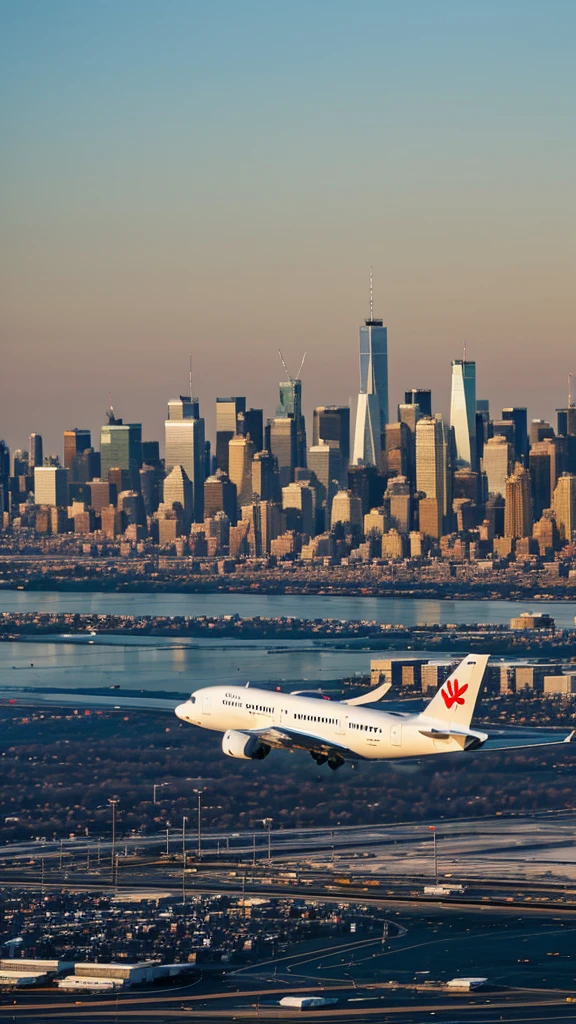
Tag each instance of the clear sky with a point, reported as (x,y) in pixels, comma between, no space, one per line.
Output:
(217,178)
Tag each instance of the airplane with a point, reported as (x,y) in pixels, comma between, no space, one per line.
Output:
(254,721)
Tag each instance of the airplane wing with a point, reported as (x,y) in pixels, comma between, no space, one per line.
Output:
(280,737)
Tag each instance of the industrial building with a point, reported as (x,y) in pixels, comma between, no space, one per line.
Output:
(20,973)
(109,977)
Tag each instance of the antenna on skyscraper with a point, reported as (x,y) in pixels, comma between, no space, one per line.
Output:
(464,351)
(190,376)
(371,296)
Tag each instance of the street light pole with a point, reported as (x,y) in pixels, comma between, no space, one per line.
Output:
(155,788)
(114,801)
(433,831)
(199,792)
(267,822)
(184,820)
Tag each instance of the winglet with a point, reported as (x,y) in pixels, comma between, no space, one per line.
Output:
(371,697)
(569,737)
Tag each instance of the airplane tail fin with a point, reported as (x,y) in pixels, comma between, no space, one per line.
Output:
(454,702)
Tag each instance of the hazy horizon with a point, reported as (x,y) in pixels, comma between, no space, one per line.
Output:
(219,180)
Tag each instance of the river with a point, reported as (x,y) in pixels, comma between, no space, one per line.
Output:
(398,611)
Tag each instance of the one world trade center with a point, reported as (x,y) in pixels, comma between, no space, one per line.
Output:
(372,410)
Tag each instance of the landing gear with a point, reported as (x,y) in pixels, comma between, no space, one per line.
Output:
(319,758)
(335,762)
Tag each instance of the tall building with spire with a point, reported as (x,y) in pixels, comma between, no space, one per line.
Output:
(372,409)
(463,411)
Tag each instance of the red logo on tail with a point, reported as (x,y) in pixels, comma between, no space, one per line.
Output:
(453,693)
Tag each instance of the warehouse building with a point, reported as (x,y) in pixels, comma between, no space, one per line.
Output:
(109,977)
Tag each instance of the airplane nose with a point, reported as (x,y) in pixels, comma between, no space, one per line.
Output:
(181,710)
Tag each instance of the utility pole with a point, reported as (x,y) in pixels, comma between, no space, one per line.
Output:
(114,801)
(184,820)
(155,788)
(433,831)
(167,838)
(267,822)
(61,853)
(199,795)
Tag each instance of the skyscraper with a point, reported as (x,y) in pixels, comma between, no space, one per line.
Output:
(463,411)
(36,454)
(372,409)
(431,458)
(265,485)
(518,509)
(240,456)
(543,462)
(178,490)
(421,397)
(283,445)
(121,448)
(251,423)
(519,417)
(564,505)
(332,424)
(76,441)
(567,420)
(326,464)
(220,496)
(227,413)
(496,463)
(51,486)
(4,477)
(185,441)
(290,404)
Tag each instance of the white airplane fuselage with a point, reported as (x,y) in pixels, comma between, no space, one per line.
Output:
(366,732)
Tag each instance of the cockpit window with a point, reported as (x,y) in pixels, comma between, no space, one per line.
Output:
(192,698)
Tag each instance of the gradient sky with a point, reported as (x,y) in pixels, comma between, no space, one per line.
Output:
(217,178)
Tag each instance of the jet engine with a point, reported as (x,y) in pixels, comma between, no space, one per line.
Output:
(242,744)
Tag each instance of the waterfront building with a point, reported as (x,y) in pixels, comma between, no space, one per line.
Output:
(463,411)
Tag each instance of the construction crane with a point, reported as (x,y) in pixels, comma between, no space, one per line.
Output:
(287,371)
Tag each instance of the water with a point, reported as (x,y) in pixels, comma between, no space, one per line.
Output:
(399,611)
(166,665)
